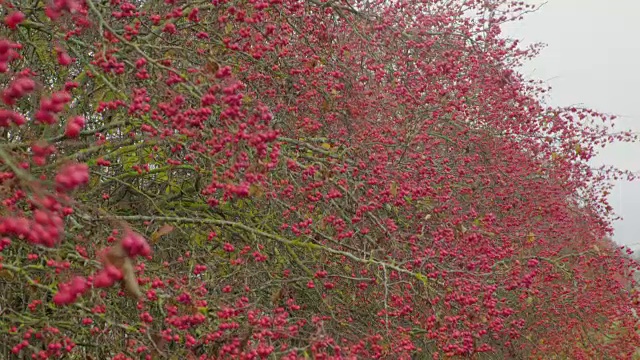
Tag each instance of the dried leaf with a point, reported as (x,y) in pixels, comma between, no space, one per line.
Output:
(159,345)
(255,191)
(164,230)
(117,257)
(277,296)
(596,249)
(6,274)
(394,188)
(129,280)
(212,66)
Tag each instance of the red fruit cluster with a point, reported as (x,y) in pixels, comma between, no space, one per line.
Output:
(69,292)
(135,244)
(7,117)
(17,89)
(72,176)
(7,53)
(45,228)
(40,152)
(4,243)
(14,19)
(108,276)
(109,63)
(49,107)
(74,126)
(63,58)
(223,72)
(56,9)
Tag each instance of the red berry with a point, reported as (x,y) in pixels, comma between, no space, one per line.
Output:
(14,19)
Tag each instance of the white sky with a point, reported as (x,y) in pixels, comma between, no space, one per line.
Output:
(592,58)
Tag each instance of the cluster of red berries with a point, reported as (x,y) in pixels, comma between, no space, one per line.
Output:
(135,244)
(4,243)
(74,126)
(107,277)
(69,292)
(55,10)
(63,58)
(72,176)
(7,117)
(17,89)
(7,54)
(40,153)
(14,19)
(44,230)
(50,107)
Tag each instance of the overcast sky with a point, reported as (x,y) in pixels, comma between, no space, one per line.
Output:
(592,58)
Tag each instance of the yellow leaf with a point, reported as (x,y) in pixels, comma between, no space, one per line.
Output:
(326,146)
(531,237)
(578,149)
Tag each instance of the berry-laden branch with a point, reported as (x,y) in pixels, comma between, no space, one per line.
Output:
(298,179)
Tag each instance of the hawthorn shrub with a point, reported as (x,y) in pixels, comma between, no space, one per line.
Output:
(295,179)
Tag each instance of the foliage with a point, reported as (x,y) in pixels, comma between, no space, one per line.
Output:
(294,179)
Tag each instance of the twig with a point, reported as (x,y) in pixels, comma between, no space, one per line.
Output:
(304,244)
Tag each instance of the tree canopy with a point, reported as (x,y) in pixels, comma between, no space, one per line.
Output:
(298,179)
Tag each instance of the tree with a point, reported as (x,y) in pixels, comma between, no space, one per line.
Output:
(293,179)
